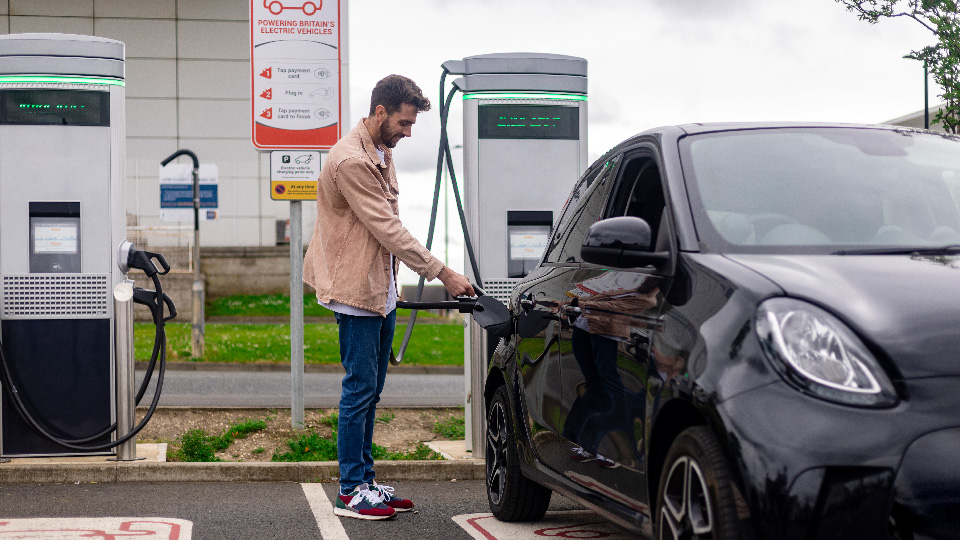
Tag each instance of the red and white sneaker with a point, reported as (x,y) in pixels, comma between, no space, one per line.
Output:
(397,503)
(363,503)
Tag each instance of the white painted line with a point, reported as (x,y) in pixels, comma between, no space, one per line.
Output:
(107,527)
(581,524)
(328,522)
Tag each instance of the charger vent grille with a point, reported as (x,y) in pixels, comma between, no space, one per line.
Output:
(38,296)
(500,288)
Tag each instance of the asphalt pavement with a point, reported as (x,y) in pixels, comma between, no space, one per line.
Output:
(272,389)
(444,511)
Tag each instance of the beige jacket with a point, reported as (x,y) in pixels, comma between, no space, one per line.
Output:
(358,227)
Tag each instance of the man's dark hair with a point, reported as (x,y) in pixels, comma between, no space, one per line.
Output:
(393,91)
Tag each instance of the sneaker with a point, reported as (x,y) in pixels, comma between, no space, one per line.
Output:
(606,463)
(580,455)
(391,500)
(363,503)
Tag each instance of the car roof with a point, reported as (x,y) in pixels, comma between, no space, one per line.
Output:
(698,128)
(681,130)
(676,132)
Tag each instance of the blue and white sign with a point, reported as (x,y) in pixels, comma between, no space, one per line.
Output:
(176,192)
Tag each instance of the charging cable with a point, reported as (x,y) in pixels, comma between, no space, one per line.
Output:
(444,157)
(155,300)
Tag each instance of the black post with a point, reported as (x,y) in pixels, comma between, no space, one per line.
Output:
(926,98)
(197,326)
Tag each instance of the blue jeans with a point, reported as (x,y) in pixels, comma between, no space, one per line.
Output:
(365,344)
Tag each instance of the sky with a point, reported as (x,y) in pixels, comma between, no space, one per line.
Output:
(650,63)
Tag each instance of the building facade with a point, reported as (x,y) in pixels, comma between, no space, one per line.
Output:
(187,87)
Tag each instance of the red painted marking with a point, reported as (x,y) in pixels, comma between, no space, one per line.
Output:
(473,523)
(174,528)
(267,73)
(125,527)
(85,533)
(560,532)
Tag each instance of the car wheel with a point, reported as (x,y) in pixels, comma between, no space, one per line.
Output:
(695,499)
(512,496)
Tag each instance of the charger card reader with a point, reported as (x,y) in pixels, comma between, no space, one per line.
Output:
(528,232)
(54,237)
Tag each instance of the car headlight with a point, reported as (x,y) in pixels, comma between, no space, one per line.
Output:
(818,353)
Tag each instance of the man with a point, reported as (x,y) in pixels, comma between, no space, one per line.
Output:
(351,263)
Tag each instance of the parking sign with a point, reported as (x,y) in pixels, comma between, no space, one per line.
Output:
(295,73)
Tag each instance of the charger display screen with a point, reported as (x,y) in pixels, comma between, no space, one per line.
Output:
(42,107)
(55,236)
(528,122)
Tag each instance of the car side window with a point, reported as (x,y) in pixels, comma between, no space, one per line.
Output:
(583,208)
(639,193)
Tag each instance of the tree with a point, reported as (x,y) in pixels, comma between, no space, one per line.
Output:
(940,17)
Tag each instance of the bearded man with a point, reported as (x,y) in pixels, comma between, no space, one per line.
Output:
(351,262)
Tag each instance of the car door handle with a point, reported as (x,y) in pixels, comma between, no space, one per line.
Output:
(572,311)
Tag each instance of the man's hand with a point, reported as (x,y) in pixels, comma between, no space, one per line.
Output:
(456,284)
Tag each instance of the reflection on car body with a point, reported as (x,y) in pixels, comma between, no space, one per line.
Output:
(743,331)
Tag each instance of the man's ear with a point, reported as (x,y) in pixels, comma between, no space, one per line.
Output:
(381,113)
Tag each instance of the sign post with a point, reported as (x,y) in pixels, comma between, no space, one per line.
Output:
(298,74)
(293,177)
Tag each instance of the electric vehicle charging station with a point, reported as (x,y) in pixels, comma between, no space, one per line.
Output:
(63,246)
(524,146)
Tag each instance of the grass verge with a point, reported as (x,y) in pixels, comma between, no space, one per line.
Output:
(431,344)
(196,445)
(276,305)
(312,446)
(451,427)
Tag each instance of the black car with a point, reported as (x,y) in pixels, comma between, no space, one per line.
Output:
(743,331)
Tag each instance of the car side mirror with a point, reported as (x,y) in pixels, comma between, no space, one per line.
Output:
(621,242)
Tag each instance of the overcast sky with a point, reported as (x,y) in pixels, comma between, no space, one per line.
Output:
(650,63)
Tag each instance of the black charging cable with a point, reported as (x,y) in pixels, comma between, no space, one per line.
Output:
(156,301)
(444,157)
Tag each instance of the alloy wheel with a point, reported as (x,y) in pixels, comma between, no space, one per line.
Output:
(686,513)
(496,451)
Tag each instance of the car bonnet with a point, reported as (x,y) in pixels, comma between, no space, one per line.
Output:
(907,306)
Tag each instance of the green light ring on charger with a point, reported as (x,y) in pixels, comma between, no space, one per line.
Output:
(523,95)
(42,79)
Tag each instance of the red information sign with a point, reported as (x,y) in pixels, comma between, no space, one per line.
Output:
(295,73)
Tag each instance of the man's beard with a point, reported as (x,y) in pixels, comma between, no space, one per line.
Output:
(385,137)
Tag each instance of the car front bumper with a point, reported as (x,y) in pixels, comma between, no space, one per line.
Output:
(813,469)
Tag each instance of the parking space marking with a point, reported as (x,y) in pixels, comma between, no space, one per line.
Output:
(328,522)
(106,528)
(580,524)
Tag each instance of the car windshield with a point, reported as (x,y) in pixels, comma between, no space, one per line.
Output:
(829,190)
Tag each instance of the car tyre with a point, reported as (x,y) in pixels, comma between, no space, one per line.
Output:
(512,496)
(695,498)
